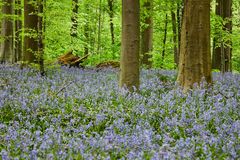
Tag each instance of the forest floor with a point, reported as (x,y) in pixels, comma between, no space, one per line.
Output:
(82,114)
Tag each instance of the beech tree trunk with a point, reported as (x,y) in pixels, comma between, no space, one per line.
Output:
(147,34)
(129,62)
(216,55)
(30,28)
(6,47)
(222,55)
(227,15)
(195,57)
(18,30)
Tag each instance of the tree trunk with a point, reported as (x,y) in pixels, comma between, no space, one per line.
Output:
(227,15)
(6,48)
(74,19)
(86,34)
(174,29)
(41,37)
(164,39)
(129,62)
(86,31)
(179,24)
(99,27)
(110,5)
(222,55)
(18,30)
(147,35)
(30,28)
(216,56)
(195,57)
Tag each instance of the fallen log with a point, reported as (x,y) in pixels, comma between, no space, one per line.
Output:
(71,60)
(106,64)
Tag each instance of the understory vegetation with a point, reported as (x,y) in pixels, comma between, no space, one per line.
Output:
(82,114)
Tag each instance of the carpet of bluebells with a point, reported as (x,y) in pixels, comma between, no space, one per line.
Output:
(82,114)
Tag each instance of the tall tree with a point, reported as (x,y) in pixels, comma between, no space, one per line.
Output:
(195,57)
(6,47)
(74,18)
(18,30)
(30,28)
(99,26)
(147,33)
(179,24)
(111,14)
(129,61)
(222,54)
(174,29)
(227,15)
(86,30)
(41,36)
(164,38)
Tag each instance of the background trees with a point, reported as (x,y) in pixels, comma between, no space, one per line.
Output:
(147,32)
(222,51)
(98,31)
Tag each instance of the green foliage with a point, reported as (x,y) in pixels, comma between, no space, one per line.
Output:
(58,24)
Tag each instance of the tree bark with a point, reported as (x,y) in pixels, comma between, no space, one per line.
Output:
(129,62)
(195,57)
(30,29)
(111,14)
(216,55)
(147,34)
(164,39)
(6,48)
(174,29)
(86,31)
(41,36)
(179,25)
(222,55)
(99,27)
(227,15)
(18,30)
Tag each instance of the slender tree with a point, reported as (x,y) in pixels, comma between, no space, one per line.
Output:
(74,18)
(86,29)
(174,29)
(18,30)
(129,62)
(41,36)
(179,24)
(30,28)
(111,14)
(195,57)
(228,28)
(6,47)
(216,54)
(99,26)
(147,33)
(164,38)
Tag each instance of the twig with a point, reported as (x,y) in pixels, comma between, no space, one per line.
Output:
(60,90)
